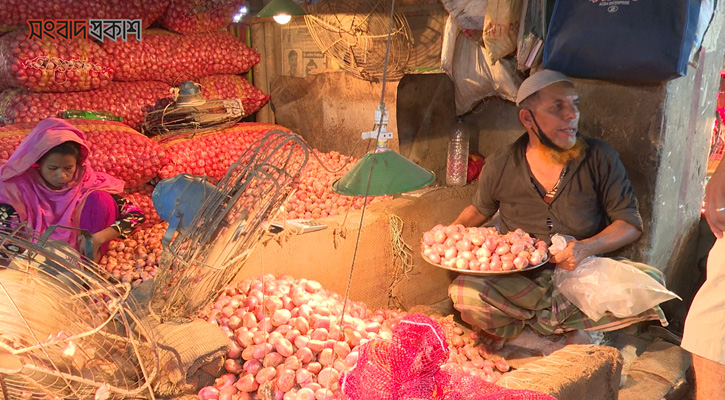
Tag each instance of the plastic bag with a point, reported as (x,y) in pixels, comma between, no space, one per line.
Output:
(469,15)
(601,284)
(473,78)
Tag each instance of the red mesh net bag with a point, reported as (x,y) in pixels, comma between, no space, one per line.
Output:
(190,16)
(403,368)
(173,58)
(233,87)
(420,349)
(52,65)
(129,100)
(16,13)
(409,367)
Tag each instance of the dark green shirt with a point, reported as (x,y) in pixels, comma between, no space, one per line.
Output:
(594,191)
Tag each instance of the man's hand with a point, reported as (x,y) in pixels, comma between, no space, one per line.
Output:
(470,217)
(574,253)
(619,233)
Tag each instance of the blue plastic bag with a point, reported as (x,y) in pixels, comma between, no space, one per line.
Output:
(621,40)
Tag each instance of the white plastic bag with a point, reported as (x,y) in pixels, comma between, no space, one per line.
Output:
(463,60)
(601,284)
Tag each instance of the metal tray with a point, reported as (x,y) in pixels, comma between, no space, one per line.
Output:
(486,273)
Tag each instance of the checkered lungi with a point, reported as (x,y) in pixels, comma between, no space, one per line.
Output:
(502,305)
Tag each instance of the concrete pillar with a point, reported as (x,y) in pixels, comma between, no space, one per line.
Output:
(662,133)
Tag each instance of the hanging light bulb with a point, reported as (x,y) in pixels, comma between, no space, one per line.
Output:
(281,10)
(282,18)
(383,171)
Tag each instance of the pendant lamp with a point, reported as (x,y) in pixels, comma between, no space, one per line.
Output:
(281,10)
(382,171)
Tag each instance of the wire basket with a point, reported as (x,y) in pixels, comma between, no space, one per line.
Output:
(65,331)
(207,255)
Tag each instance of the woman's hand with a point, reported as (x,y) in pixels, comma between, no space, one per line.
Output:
(98,239)
(97,243)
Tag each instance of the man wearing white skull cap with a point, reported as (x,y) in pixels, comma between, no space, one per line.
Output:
(552,179)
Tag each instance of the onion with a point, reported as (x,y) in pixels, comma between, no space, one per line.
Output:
(233,366)
(208,393)
(247,383)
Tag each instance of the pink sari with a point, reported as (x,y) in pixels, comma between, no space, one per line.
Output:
(22,187)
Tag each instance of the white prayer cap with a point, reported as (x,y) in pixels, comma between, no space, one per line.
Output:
(538,81)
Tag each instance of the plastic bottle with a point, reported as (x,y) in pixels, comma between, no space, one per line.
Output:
(457,162)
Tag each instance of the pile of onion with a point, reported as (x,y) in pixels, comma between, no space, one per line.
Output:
(289,341)
(482,249)
(135,259)
(314,198)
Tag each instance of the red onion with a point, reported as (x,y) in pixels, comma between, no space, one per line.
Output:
(312,363)
(208,393)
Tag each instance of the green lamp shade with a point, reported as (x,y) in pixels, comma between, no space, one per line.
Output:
(391,174)
(275,7)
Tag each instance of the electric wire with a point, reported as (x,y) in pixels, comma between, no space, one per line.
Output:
(370,175)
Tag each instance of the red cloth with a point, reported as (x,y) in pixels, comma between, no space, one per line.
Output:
(22,187)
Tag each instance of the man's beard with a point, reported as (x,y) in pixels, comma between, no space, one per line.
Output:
(564,156)
(556,153)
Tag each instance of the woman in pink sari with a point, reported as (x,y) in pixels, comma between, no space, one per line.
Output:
(46,181)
